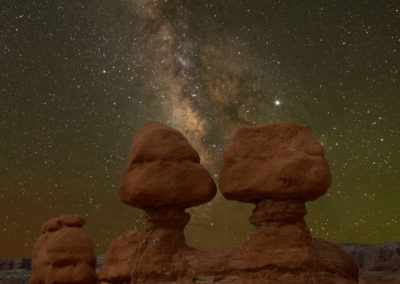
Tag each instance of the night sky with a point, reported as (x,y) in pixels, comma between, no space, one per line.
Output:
(78,77)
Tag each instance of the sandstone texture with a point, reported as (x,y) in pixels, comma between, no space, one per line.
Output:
(64,253)
(163,169)
(118,261)
(277,167)
(163,176)
(331,259)
(274,161)
(17,270)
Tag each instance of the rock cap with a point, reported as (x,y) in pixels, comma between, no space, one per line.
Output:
(65,220)
(163,169)
(274,161)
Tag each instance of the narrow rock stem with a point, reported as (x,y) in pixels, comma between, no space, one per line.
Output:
(278,211)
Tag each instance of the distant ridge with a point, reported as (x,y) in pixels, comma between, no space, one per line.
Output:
(24,263)
(9,263)
(378,263)
(374,258)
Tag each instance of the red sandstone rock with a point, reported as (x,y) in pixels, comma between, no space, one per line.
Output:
(119,259)
(153,256)
(66,220)
(278,167)
(274,161)
(163,169)
(163,176)
(334,262)
(64,253)
(281,248)
(160,258)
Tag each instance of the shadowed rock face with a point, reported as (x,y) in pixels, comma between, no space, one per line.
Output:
(64,253)
(277,167)
(334,262)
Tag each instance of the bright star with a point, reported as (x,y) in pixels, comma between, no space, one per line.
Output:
(277,102)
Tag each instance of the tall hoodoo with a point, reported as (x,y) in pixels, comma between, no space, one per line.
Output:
(278,167)
(163,176)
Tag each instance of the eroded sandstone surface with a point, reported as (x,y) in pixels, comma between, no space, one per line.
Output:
(64,253)
(278,167)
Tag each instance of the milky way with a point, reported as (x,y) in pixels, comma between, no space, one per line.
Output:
(78,77)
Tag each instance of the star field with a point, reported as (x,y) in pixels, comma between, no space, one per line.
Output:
(78,77)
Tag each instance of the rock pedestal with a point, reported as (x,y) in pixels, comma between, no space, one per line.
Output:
(282,240)
(159,255)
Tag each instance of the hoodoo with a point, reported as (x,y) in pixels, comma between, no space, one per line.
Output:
(163,177)
(278,167)
(64,253)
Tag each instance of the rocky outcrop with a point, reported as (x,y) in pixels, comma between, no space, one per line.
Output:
(367,252)
(378,263)
(118,261)
(375,257)
(64,253)
(18,270)
(16,276)
(335,265)
(15,270)
(277,167)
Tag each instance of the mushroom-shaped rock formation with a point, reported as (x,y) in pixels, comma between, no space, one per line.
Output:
(163,169)
(278,167)
(64,253)
(163,176)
